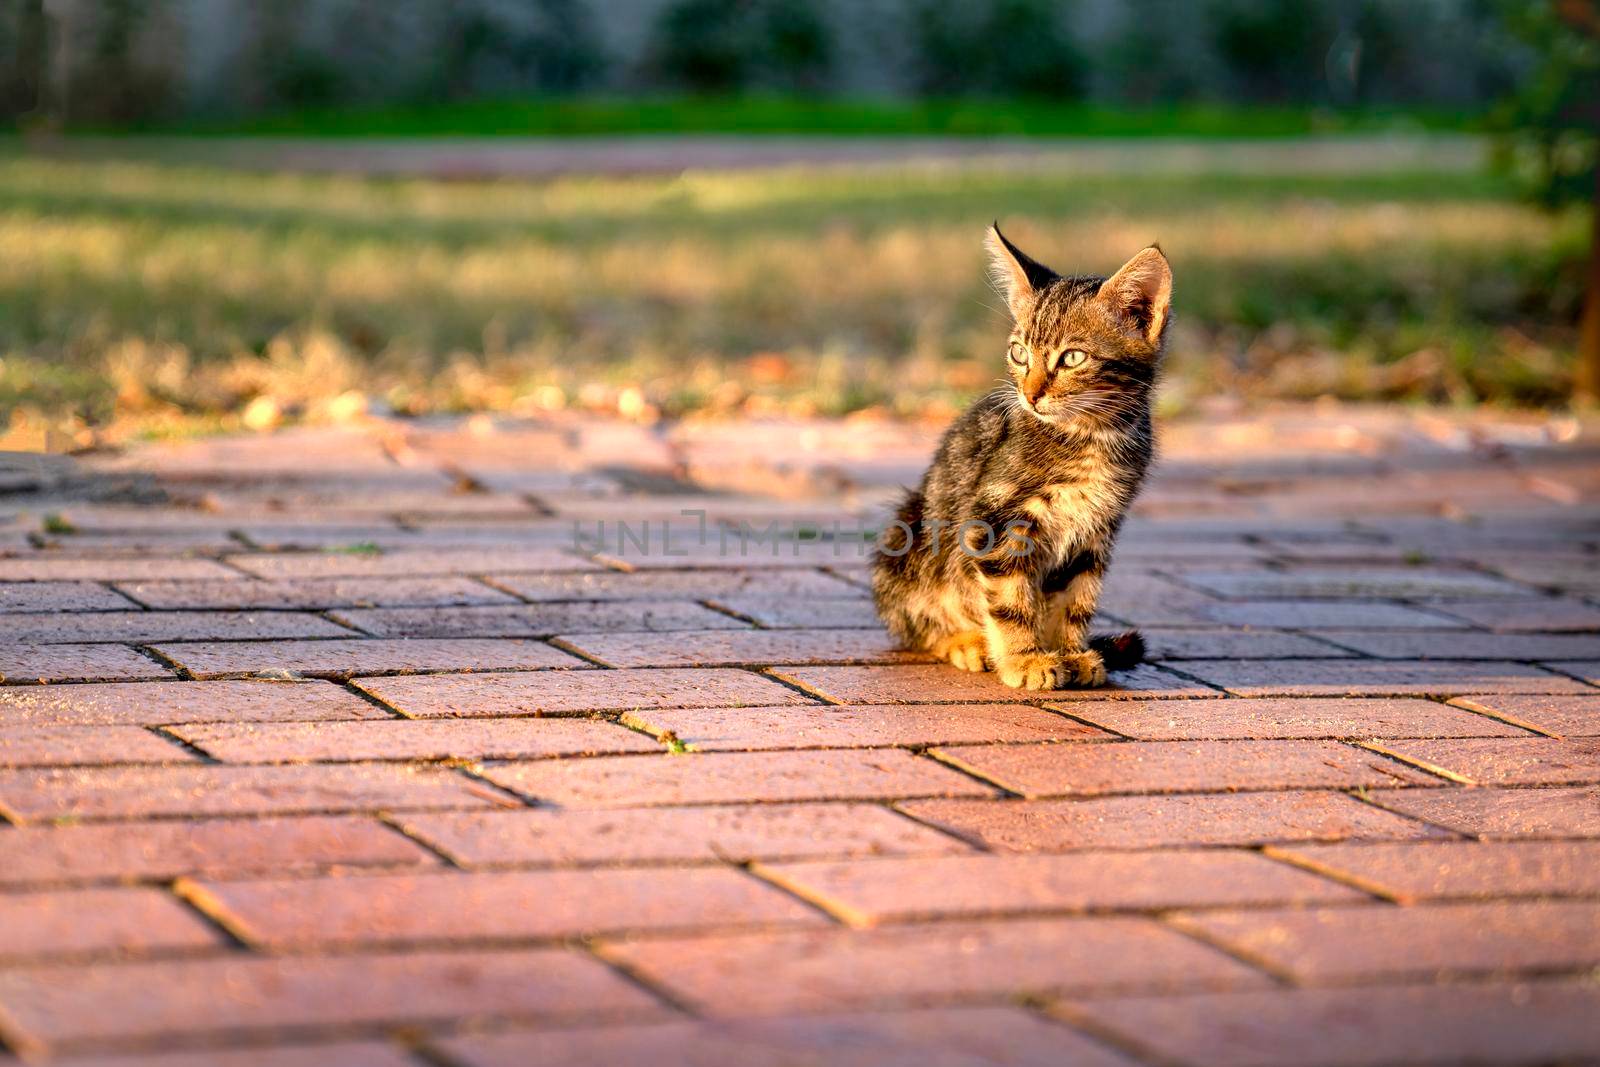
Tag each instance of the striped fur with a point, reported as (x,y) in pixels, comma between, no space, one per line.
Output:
(995,561)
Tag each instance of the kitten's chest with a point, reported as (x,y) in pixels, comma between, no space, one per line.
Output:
(1079,509)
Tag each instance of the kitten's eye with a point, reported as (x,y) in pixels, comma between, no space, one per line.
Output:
(1018,354)
(1073,357)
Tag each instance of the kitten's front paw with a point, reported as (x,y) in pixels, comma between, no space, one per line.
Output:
(1033,670)
(965,650)
(1085,670)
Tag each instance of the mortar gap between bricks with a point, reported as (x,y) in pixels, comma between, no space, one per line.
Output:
(488,582)
(1413,761)
(396,824)
(1284,855)
(1058,1011)
(349,685)
(955,764)
(150,652)
(419,1045)
(1177,923)
(164,731)
(1499,716)
(212,911)
(1082,720)
(1545,666)
(627,972)
(568,647)
(1364,795)
(818,902)
(227,561)
(944,831)
(501,796)
(1167,665)
(330,614)
(712,605)
(771,674)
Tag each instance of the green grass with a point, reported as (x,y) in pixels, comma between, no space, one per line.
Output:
(162,299)
(777,115)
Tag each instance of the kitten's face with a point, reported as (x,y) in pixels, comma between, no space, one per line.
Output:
(1083,349)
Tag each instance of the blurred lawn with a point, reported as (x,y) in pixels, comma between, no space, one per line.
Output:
(789,115)
(141,298)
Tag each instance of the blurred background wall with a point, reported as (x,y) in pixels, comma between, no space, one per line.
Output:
(125,60)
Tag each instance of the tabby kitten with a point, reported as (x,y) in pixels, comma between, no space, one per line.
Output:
(995,561)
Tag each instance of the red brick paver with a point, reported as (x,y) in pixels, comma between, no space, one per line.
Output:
(1199,720)
(144,627)
(1435,870)
(25,663)
(408,563)
(343,1053)
(948,1037)
(161,851)
(59,596)
(1526,1022)
(176,702)
(67,922)
(767,973)
(1372,677)
(723,647)
(666,835)
(539,620)
(315,593)
(919,684)
(111,792)
(411,740)
(338,659)
(58,1006)
(725,777)
(504,906)
(1492,813)
(1505,761)
(1344,943)
(857,725)
(67,746)
(1169,766)
(1158,821)
(867,892)
(1574,716)
(557,693)
(331,747)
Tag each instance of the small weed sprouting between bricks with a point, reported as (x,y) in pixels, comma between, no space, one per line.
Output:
(355,548)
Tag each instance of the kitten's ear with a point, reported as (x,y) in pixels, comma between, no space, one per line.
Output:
(1141,292)
(1016,275)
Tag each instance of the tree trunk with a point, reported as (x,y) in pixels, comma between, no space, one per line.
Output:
(23,89)
(1586,380)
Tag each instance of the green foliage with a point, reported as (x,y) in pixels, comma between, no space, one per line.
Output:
(788,115)
(1273,49)
(22,52)
(717,46)
(551,47)
(998,48)
(1548,126)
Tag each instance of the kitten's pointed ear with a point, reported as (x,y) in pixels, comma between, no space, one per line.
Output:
(1017,276)
(1141,292)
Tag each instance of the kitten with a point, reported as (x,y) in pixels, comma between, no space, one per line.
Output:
(995,561)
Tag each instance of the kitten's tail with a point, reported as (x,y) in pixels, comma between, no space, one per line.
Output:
(1119,651)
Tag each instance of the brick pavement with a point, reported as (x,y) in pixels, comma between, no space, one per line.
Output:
(337,747)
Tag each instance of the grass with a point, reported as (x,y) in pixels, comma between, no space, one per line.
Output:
(781,115)
(140,298)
